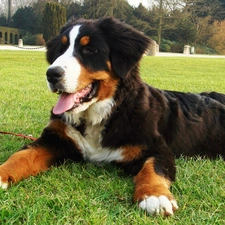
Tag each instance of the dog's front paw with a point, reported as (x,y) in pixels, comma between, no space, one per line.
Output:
(4,184)
(158,205)
(6,178)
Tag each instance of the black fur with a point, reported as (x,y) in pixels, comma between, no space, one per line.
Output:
(165,123)
(157,124)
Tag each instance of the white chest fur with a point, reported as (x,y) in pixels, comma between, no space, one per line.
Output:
(95,114)
(90,142)
(90,145)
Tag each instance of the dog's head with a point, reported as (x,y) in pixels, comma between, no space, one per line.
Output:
(88,58)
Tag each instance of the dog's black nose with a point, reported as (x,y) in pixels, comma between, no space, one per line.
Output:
(55,74)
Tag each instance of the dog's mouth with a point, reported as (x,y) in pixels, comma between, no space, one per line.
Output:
(68,101)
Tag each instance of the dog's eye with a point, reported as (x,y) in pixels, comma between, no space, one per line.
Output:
(89,50)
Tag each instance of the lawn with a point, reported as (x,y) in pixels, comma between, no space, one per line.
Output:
(90,194)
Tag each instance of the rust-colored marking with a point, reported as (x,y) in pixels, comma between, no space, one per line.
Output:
(108,82)
(131,152)
(61,129)
(84,40)
(25,163)
(58,126)
(148,183)
(109,65)
(64,40)
(34,159)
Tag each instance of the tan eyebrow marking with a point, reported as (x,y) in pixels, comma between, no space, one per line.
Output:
(64,40)
(84,40)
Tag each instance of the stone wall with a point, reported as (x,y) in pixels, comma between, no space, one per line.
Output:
(10,35)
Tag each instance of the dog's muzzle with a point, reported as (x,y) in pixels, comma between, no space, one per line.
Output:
(55,75)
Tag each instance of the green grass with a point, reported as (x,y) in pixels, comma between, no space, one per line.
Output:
(89,194)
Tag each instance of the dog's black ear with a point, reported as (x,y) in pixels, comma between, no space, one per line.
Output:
(127,45)
(53,49)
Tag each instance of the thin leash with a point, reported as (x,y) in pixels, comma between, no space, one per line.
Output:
(19,135)
(11,133)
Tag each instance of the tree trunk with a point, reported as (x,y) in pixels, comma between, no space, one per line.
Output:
(54,18)
(9,11)
(160,22)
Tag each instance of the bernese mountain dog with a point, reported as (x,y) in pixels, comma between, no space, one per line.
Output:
(106,113)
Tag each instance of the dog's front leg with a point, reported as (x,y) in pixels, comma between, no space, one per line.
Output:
(152,191)
(24,163)
(53,147)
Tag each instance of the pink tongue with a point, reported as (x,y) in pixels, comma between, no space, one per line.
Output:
(67,101)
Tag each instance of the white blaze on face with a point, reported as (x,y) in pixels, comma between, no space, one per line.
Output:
(69,63)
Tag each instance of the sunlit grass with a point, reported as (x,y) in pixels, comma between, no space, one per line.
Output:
(89,194)
(184,74)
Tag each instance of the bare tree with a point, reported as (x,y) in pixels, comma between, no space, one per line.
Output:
(159,31)
(22,3)
(4,7)
(9,11)
(100,8)
(14,5)
(166,12)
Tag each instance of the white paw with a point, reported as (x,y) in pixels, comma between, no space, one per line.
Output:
(3,185)
(158,205)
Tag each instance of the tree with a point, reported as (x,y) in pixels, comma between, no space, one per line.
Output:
(38,8)
(166,20)
(74,10)
(166,14)
(9,7)
(24,18)
(205,31)
(54,17)
(90,8)
(159,33)
(9,11)
(115,8)
(186,31)
(145,20)
(217,40)
(141,13)
(3,20)
(213,8)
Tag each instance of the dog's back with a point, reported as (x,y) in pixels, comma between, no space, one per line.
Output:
(195,123)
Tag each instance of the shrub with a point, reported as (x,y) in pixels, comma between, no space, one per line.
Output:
(29,39)
(176,47)
(204,50)
(186,31)
(39,39)
(165,48)
(217,40)
(33,39)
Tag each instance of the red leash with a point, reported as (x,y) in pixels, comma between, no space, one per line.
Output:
(19,135)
